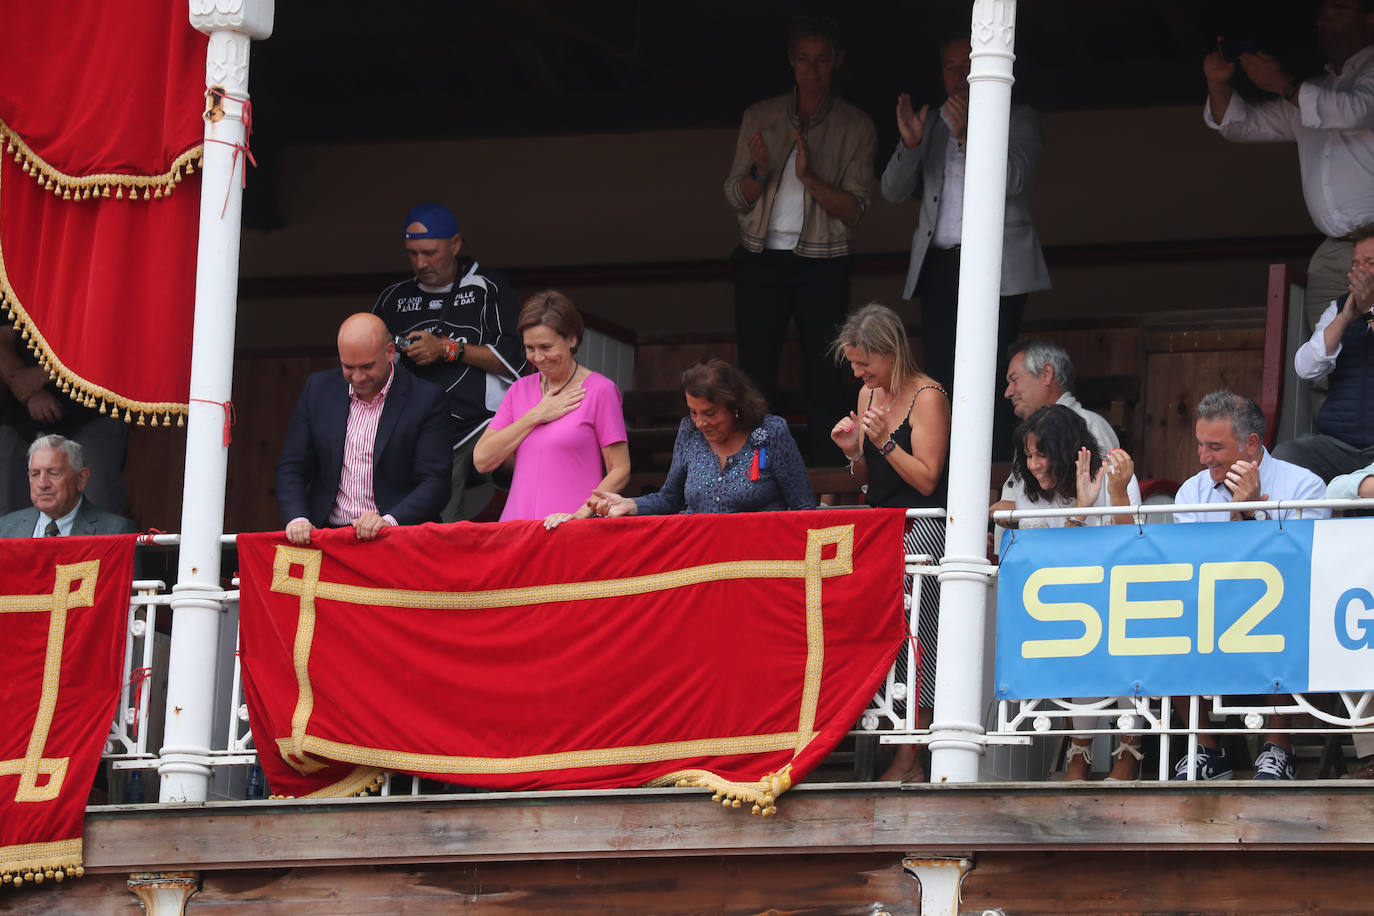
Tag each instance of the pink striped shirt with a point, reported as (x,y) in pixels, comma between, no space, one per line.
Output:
(355,482)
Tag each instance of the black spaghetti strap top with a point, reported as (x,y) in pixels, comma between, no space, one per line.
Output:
(886,488)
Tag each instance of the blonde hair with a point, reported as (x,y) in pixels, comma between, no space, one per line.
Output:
(878,329)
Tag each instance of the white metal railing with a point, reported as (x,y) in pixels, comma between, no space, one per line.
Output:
(892,715)
(139,712)
(1145,511)
(894,709)
(127,744)
(238,736)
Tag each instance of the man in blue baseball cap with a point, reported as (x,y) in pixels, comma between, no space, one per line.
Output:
(453,323)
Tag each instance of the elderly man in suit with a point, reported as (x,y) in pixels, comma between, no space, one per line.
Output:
(57,479)
(368,447)
(929,162)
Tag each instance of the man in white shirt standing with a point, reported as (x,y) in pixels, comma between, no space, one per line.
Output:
(1236,467)
(1331,118)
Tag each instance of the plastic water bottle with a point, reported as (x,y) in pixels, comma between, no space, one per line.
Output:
(133,792)
(255,785)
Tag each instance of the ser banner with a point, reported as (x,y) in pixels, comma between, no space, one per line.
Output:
(730,651)
(1208,608)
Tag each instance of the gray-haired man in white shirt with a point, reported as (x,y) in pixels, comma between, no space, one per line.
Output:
(1040,373)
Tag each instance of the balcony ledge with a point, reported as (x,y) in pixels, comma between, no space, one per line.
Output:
(1333,815)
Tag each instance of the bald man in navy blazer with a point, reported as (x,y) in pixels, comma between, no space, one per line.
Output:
(368,447)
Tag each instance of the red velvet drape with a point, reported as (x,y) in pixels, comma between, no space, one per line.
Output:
(100,120)
(64,613)
(731,652)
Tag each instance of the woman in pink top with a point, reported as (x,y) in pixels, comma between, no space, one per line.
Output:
(564,426)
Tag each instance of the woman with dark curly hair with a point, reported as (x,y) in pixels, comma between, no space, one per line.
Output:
(1056,458)
(731,455)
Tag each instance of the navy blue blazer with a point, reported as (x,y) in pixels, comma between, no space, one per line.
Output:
(412,454)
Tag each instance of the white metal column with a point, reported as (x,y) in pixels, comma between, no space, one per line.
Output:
(966,576)
(197,597)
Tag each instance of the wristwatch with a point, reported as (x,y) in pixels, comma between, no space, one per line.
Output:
(887,447)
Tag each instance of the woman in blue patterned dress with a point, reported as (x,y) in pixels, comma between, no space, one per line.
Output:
(731,455)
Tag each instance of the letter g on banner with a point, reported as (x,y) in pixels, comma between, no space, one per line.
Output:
(1347,620)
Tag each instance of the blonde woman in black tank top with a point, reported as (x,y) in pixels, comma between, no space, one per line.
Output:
(897,439)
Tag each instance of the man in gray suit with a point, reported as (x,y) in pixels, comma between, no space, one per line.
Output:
(929,161)
(57,477)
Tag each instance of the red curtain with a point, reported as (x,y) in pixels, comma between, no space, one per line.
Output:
(100,120)
(732,652)
(64,613)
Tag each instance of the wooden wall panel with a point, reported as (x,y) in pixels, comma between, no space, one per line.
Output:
(1137,883)
(1177,378)
(832,885)
(154,473)
(659,365)
(264,395)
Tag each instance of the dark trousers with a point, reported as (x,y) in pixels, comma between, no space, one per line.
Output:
(1325,456)
(938,289)
(772,288)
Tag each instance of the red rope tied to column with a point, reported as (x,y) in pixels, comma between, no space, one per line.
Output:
(136,679)
(230,418)
(246,116)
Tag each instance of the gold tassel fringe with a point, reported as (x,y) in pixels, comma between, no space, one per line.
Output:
(364,780)
(762,795)
(83,187)
(35,863)
(58,873)
(73,385)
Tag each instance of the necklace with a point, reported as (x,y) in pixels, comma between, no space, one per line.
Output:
(576,366)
